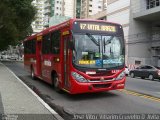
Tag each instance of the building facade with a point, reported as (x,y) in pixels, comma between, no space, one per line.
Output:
(52,8)
(121,15)
(57,11)
(91,7)
(37,25)
(144,32)
(48,10)
(68,8)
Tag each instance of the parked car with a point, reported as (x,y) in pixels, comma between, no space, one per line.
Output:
(12,58)
(146,71)
(126,70)
(4,57)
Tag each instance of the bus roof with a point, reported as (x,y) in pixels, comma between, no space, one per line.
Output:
(68,22)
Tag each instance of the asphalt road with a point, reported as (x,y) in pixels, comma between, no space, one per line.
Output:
(144,86)
(96,103)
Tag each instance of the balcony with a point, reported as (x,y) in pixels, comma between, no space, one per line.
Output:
(47,11)
(156,39)
(99,15)
(47,5)
(46,1)
(146,12)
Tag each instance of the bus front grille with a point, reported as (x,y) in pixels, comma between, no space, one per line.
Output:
(101,85)
(98,80)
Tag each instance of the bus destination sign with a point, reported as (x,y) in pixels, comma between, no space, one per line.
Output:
(95,27)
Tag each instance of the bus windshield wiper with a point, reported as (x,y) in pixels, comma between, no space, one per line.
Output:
(109,40)
(93,39)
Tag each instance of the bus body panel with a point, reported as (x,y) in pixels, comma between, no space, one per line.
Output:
(77,87)
(96,87)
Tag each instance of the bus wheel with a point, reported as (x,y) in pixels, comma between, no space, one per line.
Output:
(32,74)
(56,84)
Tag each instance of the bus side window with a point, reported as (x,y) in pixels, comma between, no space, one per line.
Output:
(30,47)
(46,44)
(55,42)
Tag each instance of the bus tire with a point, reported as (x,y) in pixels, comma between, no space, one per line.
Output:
(32,74)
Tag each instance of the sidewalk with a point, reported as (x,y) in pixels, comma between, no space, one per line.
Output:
(19,102)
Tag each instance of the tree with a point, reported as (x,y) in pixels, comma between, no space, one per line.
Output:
(15,21)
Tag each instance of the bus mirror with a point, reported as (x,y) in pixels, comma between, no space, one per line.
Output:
(71,45)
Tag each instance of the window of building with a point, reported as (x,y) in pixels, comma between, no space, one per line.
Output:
(90,10)
(90,5)
(99,7)
(57,8)
(152,3)
(57,1)
(137,62)
(157,2)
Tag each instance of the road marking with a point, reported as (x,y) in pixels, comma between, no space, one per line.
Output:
(140,95)
(38,98)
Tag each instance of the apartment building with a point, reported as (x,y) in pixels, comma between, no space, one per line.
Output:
(37,25)
(68,7)
(52,8)
(121,15)
(77,8)
(47,11)
(57,11)
(144,39)
(91,7)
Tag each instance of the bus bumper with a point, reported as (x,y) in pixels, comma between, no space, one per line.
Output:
(97,87)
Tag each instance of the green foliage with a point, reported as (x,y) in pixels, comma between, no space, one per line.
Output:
(15,21)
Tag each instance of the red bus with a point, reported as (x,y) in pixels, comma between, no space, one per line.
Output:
(78,56)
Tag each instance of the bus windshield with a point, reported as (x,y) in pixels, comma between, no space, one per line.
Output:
(98,51)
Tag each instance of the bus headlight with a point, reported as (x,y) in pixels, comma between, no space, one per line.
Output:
(78,77)
(121,75)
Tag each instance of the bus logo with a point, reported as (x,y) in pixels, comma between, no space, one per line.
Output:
(102,79)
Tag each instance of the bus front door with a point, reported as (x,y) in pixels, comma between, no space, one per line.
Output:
(66,62)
